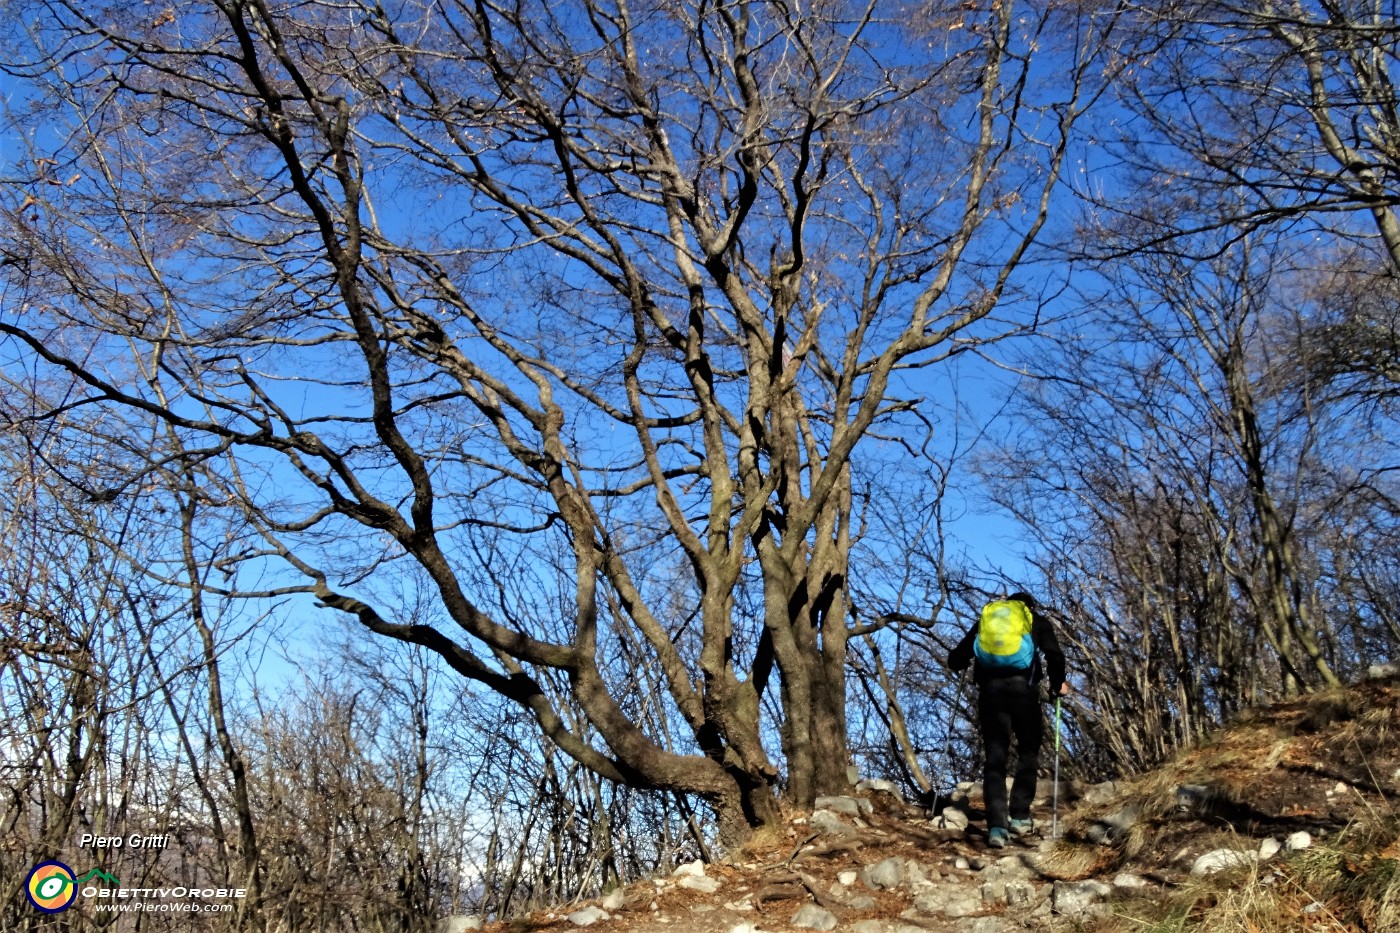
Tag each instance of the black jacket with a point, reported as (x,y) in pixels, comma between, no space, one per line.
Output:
(1046,644)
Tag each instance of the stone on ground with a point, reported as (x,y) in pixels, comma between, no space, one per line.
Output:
(914,875)
(695,869)
(953,818)
(458,924)
(701,883)
(587,917)
(887,874)
(847,805)
(812,917)
(1220,860)
(878,785)
(829,824)
(1079,898)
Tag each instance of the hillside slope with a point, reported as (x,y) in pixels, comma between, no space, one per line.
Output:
(1285,820)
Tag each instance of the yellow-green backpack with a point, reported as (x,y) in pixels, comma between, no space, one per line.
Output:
(1004,635)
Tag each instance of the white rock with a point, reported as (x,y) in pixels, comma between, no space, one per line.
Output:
(1013,866)
(1099,793)
(948,899)
(739,907)
(1312,908)
(813,917)
(587,917)
(988,925)
(1221,859)
(847,877)
(613,900)
(863,902)
(914,875)
(745,927)
(961,863)
(1078,898)
(1269,848)
(824,821)
(883,926)
(695,869)
(1020,893)
(871,926)
(953,818)
(962,905)
(1113,828)
(1299,840)
(1127,882)
(846,805)
(700,883)
(1191,798)
(879,785)
(886,874)
(458,924)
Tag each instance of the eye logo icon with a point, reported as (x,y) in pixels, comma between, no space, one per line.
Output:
(51,887)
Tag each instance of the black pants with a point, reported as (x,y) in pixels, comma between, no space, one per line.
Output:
(1009,706)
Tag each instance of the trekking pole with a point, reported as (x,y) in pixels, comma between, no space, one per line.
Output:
(1055,794)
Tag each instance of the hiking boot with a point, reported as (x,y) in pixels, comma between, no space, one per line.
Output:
(1022,827)
(998,838)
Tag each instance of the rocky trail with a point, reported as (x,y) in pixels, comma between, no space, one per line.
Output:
(1276,785)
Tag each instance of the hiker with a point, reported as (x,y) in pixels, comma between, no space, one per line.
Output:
(1005,644)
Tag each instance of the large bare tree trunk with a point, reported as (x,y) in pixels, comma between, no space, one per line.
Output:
(584,313)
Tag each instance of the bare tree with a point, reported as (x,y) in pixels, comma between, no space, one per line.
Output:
(1198,503)
(1276,112)
(91,660)
(585,310)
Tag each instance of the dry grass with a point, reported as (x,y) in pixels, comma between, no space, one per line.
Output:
(1350,884)
(1330,761)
